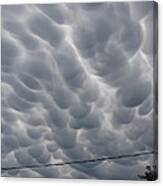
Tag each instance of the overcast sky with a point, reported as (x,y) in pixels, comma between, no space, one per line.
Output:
(77,84)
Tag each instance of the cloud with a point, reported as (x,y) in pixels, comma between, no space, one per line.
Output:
(59,13)
(46,29)
(10,50)
(77,84)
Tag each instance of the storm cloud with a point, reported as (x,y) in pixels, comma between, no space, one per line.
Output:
(77,83)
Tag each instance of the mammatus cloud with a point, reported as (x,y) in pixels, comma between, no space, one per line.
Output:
(77,84)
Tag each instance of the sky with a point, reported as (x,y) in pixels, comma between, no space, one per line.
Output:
(77,83)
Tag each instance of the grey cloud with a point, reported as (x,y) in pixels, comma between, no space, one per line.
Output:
(49,172)
(147,45)
(66,138)
(76,84)
(91,120)
(80,109)
(90,91)
(58,117)
(24,158)
(63,96)
(59,12)
(28,173)
(10,142)
(35,133)
(10,50)
(123,115)
(92,6)
(134,133)
(47,30)
(36,66)
(40,153)
(142,9)
(146,107)
(135,93)
(29,81)
(66,60)
(17,103)
(90,39)
(131,37)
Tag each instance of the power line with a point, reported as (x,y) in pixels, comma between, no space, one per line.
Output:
(79,161)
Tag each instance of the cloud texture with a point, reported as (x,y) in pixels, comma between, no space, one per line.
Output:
(77,83)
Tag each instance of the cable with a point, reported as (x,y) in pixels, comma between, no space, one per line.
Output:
(79,161)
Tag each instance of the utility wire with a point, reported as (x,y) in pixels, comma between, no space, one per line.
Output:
(79,161)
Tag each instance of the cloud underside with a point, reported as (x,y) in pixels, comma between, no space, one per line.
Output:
(77,84)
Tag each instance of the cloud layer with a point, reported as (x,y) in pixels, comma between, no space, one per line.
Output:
(77,83)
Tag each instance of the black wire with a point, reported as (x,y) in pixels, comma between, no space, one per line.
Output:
(79,161)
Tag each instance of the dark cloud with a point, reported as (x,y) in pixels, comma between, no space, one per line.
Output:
(123,115)
(10,50)
(77,84)
(59,13)
(45,29)
(135,93)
